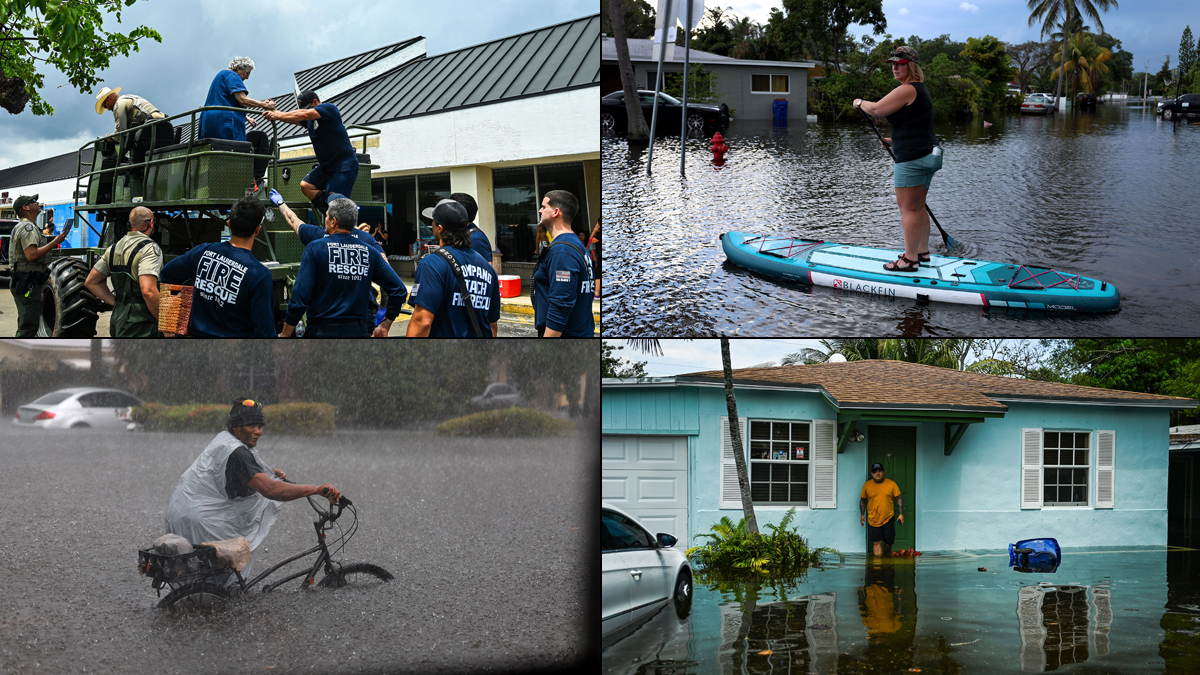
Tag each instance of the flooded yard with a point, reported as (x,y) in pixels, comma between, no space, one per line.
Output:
(487,540)
(1102,612)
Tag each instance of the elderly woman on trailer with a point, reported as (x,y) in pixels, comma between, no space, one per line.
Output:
(909,109)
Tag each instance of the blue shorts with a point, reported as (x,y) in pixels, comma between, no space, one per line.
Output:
(918,172)
(341,182)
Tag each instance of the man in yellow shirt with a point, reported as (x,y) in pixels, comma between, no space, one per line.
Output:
(875,507)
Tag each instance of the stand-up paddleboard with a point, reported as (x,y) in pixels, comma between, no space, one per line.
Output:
(945,279)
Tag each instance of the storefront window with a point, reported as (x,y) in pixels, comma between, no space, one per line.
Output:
(516,212)
(402,214)
(433,187)
(567,177)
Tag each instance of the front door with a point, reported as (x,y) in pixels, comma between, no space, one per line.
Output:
(896,449)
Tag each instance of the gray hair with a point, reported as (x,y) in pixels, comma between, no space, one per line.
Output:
(345,212)
(241,63)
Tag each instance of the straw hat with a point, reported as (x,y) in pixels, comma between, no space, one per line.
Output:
(103,95)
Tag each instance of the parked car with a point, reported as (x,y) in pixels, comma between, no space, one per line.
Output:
(1186,105)
(78,408)
(701,116)
(6,228)
(639,571)
(1050,97)
(1037,104)
(1085,100)
(497,395)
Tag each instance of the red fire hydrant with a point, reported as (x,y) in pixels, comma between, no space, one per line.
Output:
(718,146)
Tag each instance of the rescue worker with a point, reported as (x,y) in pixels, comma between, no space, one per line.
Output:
(130,111)
(437,298)
(333,285)
(479,241)
(27,252)
(310,233)
(228,89)
(337,167)
(562,280)
(229,491)
(233,290)
(133,263)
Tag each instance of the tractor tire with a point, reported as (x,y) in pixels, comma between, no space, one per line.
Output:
(68,308)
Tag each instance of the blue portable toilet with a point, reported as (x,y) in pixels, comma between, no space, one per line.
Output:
(779,108)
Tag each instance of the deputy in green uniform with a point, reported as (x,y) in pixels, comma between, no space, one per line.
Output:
(133,263)
(29,248)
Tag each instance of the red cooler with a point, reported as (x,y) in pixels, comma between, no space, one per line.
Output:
(510,285)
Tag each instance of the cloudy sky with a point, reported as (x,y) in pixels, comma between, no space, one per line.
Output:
(281,36)
(689,356)
(1149,29)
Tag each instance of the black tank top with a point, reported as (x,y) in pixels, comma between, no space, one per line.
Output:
(912,127)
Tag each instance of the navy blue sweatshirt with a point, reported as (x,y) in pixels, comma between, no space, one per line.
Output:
(436,289)
(334,281)
(310,233)
(480,244)
(232,296)
(564,289)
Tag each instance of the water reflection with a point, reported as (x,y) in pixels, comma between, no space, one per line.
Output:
(1100,611)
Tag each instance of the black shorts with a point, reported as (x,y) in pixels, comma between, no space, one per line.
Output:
(886,532)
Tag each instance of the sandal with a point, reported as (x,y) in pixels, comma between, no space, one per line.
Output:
(899,265)
(921,257)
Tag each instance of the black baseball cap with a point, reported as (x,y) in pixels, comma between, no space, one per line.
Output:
(448,213)
(876,467)
(23,200)
(306,98)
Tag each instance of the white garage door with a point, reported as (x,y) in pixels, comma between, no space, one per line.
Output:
(646,476)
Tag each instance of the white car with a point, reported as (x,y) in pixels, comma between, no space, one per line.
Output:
(78,408)
(497,395)
(1048,97)
(639,570)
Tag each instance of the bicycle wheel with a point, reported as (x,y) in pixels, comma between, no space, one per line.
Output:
(355,575)
(199,595)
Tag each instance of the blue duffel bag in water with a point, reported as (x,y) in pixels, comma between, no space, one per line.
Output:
(1035,555)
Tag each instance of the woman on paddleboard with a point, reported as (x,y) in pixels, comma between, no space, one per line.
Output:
(910,111)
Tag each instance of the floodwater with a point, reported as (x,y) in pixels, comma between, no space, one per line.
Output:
(488,540)
(1109,194)
(1101,612)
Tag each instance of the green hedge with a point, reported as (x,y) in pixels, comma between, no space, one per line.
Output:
(507,422)
(285,418)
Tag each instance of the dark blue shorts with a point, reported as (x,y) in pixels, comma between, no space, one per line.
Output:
(886,532)
(341,182)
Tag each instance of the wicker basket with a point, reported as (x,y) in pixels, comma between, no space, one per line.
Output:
(174,309)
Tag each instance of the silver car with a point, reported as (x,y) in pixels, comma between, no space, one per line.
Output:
(497,395)
(639,571)
(1037,104)
(78,408)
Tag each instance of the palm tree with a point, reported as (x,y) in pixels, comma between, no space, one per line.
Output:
(941,353)
(1086,62)
(635,127)
(652,347)
(1063,13)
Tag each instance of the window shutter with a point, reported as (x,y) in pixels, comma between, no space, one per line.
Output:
(1106,442)
(1031,469)
(824,465)
(731,494)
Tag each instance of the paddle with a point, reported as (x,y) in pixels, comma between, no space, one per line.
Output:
(949,241)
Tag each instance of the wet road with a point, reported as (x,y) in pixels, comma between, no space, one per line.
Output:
(1108,193)
(487,539)
(1101,612)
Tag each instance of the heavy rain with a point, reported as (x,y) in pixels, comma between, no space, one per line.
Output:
(488,534)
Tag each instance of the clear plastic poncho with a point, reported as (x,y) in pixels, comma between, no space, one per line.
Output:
(200,510)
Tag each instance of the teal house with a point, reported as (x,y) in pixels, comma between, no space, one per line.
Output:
(981,461)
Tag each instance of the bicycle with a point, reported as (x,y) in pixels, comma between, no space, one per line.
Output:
(192,576)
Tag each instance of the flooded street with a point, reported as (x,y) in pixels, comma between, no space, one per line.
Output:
(1107,193)
(1101,612)
(489,541)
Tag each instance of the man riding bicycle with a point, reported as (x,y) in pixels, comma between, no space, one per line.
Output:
(230,492)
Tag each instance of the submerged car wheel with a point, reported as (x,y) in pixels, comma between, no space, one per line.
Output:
(608,123)
(1168,114)
(695,122)
(683,586)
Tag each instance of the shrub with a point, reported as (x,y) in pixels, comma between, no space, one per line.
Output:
(507,422)
(734,549)
(286,418)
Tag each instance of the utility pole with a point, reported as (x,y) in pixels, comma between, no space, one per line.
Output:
(668,23)
(687,45)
